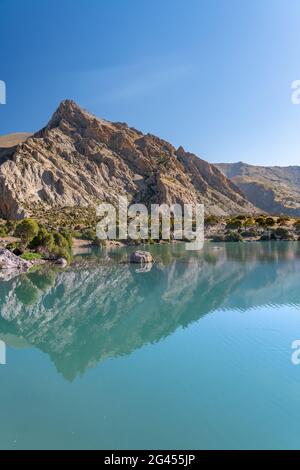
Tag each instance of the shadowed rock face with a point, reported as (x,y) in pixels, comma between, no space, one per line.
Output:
(92,312)
(79,160)
(275,190)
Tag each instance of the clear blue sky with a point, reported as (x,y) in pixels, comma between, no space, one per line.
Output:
(212,75)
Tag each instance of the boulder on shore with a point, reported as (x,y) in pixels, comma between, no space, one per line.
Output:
(141,257)
(9,260)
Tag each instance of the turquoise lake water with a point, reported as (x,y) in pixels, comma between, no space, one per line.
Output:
(194,353)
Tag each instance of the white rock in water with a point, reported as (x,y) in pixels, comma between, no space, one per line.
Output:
(10,261)
(141,257)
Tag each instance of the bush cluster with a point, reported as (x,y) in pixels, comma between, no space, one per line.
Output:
(39,239)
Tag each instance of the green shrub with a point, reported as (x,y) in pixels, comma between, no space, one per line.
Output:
(68,237)
(76,234)
(3,231)
(270,222)
(261,221)
(62,246)
(43,239)
(234,224)
(249,222)
(88,234)
(233,237)
(61,252)
(59,240)
(27,229)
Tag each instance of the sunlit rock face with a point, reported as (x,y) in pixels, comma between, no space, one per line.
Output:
(78,160)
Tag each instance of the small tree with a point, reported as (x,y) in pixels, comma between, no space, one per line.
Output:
(233,237)
(68,237)
(270,222)
(43,239)
(261,221)
(62,245)
(3,231)
(249,222)
(234,224)
(27,229)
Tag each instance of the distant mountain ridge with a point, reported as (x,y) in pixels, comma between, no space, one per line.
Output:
(10,140)
(273,189)
(79,160)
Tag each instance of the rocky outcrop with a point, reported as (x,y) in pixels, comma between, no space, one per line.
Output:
(10,261)
(79,160)
(275,190)
(11,265)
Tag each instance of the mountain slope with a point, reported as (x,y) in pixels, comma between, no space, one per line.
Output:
(273,189)
(79,160)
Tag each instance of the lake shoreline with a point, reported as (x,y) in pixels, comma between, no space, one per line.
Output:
(70,243)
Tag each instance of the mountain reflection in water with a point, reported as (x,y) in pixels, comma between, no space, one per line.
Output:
(101,307)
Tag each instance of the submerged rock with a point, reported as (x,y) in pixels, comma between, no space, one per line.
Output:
(9,260)
(142,257)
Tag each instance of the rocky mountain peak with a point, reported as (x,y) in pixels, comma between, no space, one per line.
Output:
(78,160)
(180,152)
(70,112)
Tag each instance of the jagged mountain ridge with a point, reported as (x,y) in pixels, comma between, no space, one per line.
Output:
(79,160)
(275,189)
